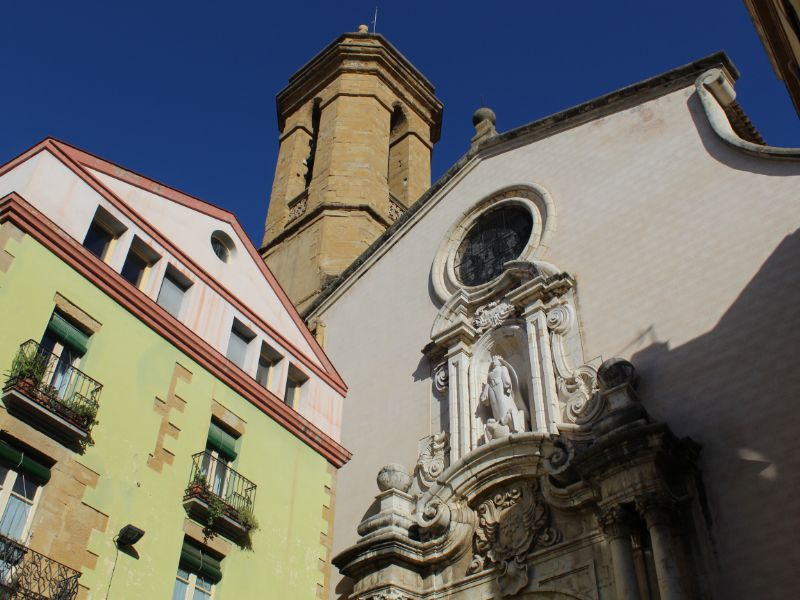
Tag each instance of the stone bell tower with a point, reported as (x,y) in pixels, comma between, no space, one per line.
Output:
(358,123)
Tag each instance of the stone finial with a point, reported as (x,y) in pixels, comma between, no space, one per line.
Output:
(363,29)
(394,477)
(615,372)
(484,120)
(483,114)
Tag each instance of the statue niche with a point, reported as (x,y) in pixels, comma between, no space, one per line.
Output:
(499,383)
(497,396)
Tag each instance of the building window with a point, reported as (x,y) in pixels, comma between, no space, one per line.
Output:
(294,386)
(173,289)
(316,114)
(238,344)
(223,246)
(220,452)
(66,344)
(138,263)
(198,572)
(103,232)
(268,361)
(21,481)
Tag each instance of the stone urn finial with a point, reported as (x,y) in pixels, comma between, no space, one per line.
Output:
(394,477)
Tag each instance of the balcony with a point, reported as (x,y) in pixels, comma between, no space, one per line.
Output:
(220,498)
(28,575)
(52,394)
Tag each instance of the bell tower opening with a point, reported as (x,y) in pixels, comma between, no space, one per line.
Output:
(358,123)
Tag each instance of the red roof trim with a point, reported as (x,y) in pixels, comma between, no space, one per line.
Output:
(15,209)
(74,159)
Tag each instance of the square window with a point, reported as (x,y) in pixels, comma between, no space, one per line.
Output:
(238,344)
(173,289)
(294,386)
(268,361)
(102,233)
(138,262)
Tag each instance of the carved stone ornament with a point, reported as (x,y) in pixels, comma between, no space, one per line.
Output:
(492,315)
(441,378)
(430,463)
(577,387)
(510,523)
(390,594)
(298,209)
(395,210)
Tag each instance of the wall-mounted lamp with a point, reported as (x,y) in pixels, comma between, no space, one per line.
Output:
(129,535)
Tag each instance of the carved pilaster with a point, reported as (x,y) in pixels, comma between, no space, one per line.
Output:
(615,521)
(659,513)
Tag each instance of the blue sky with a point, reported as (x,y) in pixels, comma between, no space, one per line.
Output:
(184,92)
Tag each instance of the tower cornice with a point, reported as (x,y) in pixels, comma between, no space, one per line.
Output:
(362,53)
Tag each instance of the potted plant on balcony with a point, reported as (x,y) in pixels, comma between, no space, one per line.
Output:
(28,369)
(198,486)
(247,519)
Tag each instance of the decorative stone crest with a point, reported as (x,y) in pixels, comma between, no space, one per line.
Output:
(395,210)
(492,315)
(430,463)
(510,522)
(298,208)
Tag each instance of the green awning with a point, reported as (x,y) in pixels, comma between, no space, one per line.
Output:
(221,441)
(23,463)
(68,334)
(196,560)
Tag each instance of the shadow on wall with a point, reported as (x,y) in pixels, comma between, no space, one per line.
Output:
(735,391)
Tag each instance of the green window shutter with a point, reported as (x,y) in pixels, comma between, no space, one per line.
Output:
(68,334)
(194,559)
(20,462)
(222,441)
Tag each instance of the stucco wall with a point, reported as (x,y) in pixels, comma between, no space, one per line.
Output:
(136,367)
(685,252)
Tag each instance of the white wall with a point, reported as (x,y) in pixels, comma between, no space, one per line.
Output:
(687,256)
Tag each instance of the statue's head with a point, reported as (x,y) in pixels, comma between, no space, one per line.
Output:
(496,360)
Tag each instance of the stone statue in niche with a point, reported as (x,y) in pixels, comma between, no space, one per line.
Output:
(498,395)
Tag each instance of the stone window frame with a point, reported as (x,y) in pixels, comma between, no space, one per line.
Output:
(535,199)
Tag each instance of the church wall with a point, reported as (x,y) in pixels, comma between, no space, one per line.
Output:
(683,250)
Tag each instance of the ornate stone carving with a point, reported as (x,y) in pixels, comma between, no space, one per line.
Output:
(441,378)
(510,522)
(577,387)
(396,210)
(615,521)
(492,315)
(497,393)
(298,208)
(390,594)
(431,461)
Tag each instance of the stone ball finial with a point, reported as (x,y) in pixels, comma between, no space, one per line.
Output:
(363,29)
(394,477)
(483,114)
(615,372)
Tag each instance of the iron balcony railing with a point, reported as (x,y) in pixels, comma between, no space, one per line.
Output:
(212,477)
(28,575)
(55,384)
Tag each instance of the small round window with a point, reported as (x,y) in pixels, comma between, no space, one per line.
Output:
(222,245)
(495,238)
